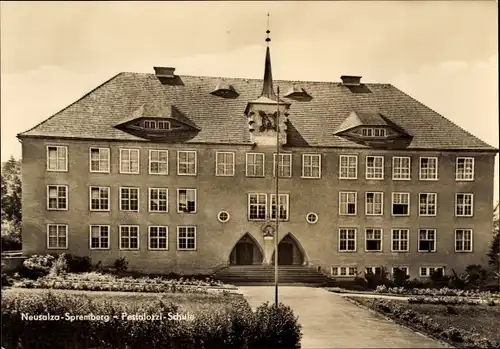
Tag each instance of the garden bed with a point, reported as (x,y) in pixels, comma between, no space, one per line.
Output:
(444,291)
(459,325)
(108,282)
(223,321)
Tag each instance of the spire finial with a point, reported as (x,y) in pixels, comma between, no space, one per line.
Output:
(268,39)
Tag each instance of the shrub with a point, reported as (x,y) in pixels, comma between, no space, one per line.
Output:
(275,327)
(77,264)
(60,266)
(378,278)
(400,277)
(438,279)
(220,328)
(477,275)
(121,264)
(36,266)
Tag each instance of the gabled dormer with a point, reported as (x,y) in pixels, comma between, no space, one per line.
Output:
(157,122)
(224,90)
(298,93)
(371,128)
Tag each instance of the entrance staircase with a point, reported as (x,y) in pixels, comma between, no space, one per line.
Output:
(264,275)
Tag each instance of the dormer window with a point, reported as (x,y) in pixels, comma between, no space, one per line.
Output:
(149,124)
(163,125)
(373,132)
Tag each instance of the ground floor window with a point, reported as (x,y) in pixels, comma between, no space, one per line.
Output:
(428,271)
(373,270)
(403,268)
(129,237)
(347,239)
(99,237)
(463,240)
(186,238)
(57,236)
(344,271)
(158,237)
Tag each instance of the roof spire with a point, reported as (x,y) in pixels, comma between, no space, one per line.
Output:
(267,88)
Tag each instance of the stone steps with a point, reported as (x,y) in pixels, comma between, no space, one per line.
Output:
(264,275)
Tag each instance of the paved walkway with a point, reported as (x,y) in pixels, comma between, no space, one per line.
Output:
(330,321)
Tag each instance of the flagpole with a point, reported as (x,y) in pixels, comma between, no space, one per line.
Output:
(277,200)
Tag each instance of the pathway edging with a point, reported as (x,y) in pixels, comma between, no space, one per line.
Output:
(398,323)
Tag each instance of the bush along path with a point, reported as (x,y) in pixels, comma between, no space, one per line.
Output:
(41,321)
(458,336)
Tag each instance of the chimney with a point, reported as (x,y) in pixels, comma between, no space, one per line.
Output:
(348,80)
(164,72)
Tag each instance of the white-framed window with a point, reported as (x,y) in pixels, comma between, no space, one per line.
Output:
(129,237)
(465,169)
(283,206)
(257,206)
(99,159)
(428,271)
(311,166)
(164,125)
(400,240)
(374,204)
(186,200)
(158,161)
(427,240)
(401,168)
(312,218)
(186,162)
(255,165)
(149,124)
(463,240)
(57,236)
(158,200)
(224,163)
(464,205)
(99,237)
(223,216)
(129,161)
(186,238)
(373,132)
(57,158)
(373,238)
(344,271)
(401,267)
(347,203)
(99,198)
(374,167)
(284,165)
(348,168)
(347,239)
(373,270)
(428,168)
(427,204)
(129,199)
(158,237)
(57,197)
(400,204)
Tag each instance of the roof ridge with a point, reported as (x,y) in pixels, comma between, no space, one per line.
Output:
(71,104)
(444,118)
(257,79)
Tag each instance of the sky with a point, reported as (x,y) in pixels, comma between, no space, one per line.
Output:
(443,53)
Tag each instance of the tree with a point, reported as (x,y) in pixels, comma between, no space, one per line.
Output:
(11,191)
(11,204)
(494,252)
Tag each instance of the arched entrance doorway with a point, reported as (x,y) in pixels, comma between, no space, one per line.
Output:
(290,252)
(246,252)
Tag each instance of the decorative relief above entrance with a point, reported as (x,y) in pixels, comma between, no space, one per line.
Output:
(268,230)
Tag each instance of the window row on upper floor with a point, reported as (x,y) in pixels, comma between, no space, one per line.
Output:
(259,207)
(187,164)
(129,238)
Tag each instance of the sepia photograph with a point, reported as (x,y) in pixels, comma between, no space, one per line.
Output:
(249,174)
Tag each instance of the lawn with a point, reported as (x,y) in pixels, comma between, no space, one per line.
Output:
(483,320)
(187,302)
